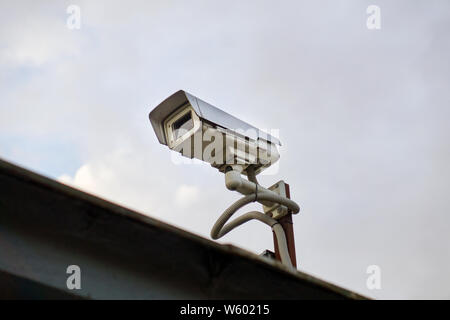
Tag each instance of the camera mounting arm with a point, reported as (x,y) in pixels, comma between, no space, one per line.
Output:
(252,192)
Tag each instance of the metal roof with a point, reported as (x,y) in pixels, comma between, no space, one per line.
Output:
(46,226)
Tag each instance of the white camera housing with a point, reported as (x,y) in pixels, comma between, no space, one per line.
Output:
(196,129)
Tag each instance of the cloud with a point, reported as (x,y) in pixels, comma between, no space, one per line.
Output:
(33,40)
(186,196)
(85,178)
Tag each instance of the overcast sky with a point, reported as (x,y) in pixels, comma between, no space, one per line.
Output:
(363,116)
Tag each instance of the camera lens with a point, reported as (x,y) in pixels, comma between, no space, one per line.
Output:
(182,125)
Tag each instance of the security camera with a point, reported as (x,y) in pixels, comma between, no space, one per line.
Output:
(196,129)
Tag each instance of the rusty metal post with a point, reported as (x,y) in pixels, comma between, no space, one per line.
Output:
(288,227)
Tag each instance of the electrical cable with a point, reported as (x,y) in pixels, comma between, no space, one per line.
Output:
(220,228)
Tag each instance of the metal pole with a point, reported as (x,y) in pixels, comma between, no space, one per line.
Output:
(288,227)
